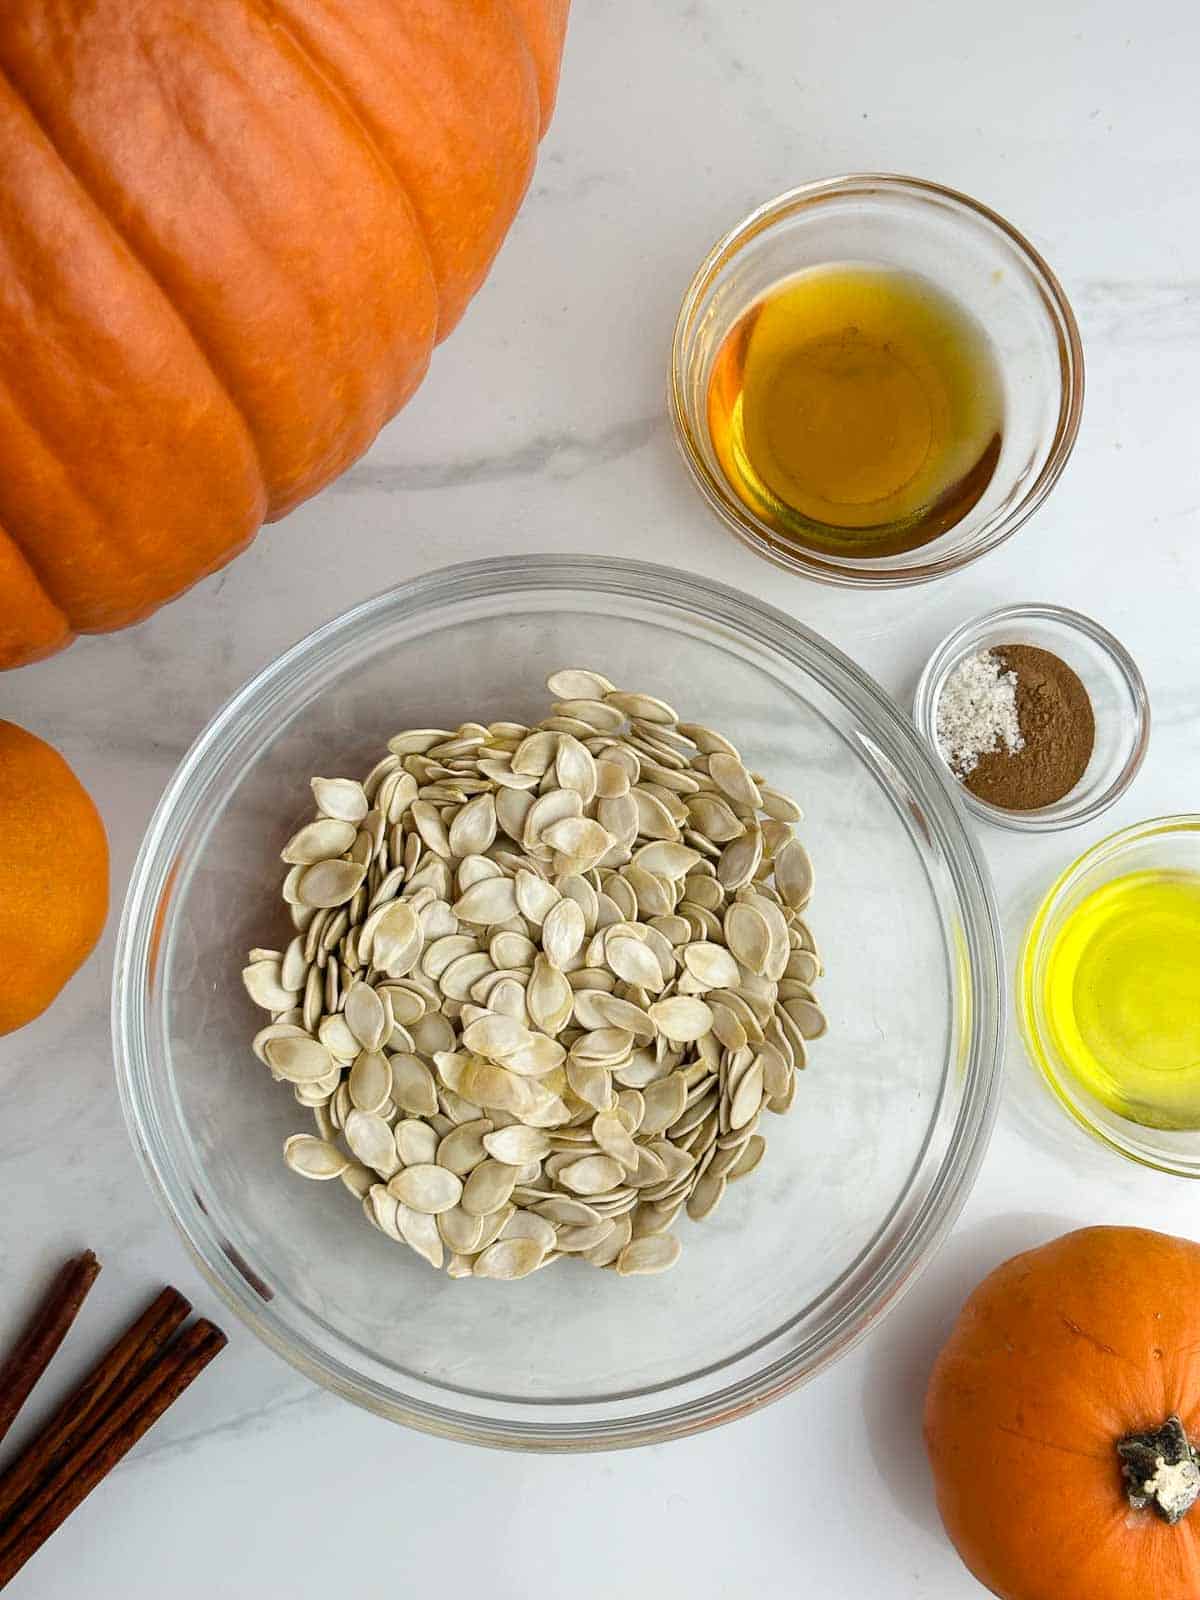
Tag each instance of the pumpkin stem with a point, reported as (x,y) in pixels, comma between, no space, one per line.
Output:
(1161,1469)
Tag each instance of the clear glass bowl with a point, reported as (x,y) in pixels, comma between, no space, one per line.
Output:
(859,1184)
(972,255)
(1165,844)
(1108,673)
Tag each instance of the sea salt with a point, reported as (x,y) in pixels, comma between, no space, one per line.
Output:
(977,712)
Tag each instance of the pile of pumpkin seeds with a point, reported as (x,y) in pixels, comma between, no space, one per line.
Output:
(543,984)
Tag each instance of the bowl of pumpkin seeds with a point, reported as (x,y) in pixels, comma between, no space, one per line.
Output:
(559,1003)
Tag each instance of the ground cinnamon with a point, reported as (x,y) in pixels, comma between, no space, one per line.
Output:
(1058,730)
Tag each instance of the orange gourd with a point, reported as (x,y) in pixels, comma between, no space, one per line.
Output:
(1062,1418)
(231,232)
(53,875)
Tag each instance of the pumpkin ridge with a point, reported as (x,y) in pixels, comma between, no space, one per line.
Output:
(12,526)
(322,72)
(151,277)
(519,20)
(546,70)
(33,619)
(1050,1444)
(27,547)
(429,49)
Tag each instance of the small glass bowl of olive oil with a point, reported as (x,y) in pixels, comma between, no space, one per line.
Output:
(875,380)
(1109,992)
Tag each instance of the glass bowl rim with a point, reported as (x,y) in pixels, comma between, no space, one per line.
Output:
(953,647)
(980,1056)
(1037,1043)
(1055,302)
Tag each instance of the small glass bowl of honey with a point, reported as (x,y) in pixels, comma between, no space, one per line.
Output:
(1108,992)
(875,380)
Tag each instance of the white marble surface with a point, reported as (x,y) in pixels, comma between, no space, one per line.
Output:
(542,427)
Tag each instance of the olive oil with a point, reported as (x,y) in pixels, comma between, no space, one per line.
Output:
(856,410)
(1122,994)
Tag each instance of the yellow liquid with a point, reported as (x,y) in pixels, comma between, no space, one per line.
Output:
(1122,992)
(856,410)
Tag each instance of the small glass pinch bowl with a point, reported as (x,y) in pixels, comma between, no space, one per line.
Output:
(965,250)
(857,1187)
(1108,673)
(1163,845)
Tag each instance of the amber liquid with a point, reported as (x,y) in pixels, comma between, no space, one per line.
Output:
(856,410)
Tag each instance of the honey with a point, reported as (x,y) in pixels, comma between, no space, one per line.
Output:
(856,410)
(1122,997)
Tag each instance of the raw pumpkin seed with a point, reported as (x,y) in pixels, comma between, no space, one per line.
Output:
(509,1258)
(416,1143)
(427,1188)
(341,798)
(314,1158)
(655,1252)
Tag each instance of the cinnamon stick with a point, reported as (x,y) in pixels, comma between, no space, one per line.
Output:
(43,1334)
(94,1456)
(120,1367)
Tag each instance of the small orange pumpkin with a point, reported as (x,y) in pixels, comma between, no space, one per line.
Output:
(53,875)
(1062,1417)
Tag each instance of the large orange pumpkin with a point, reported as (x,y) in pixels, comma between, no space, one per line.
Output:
(231,232)
(53,875)
(1062,1418)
